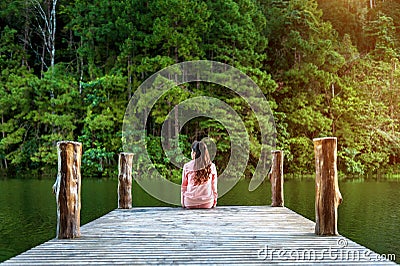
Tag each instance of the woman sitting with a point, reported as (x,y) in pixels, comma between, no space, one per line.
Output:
(199,179)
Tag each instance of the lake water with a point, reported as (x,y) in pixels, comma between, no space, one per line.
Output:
(369,215)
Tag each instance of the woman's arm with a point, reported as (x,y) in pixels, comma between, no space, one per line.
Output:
(214,185)
(183,186)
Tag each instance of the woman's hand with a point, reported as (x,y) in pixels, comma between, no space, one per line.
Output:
(215,203)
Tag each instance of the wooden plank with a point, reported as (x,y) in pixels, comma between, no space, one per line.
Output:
(248,235)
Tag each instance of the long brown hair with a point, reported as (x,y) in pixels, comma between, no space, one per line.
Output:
(202,162)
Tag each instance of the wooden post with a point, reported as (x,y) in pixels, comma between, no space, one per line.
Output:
(276,179)
(68,189)
(125,180)
(327,194)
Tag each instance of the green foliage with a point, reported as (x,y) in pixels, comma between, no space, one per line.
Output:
(327,68)
(15,92)
(53,113)
(104,111)
(353,166)
(160,159)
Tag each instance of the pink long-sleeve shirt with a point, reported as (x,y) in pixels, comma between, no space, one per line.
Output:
(195,195)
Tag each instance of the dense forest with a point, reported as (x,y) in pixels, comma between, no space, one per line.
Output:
(327,68)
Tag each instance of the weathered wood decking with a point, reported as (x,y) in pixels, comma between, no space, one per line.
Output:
(225,235)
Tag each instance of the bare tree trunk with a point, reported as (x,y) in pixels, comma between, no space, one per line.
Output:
(80,70)
(52,34)
(276,179)
(4,135)
(330,109)
(176,122)
(43,63)
(391,89)
(327,194)
(129,78)
(26,40)
(169,129)
(47,28)
(125,180)
(176,45)
(68,189)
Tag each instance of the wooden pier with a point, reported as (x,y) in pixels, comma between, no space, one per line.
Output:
(224,235)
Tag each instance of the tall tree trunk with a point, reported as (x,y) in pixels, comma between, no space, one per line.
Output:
(53,32)
(391,89)
(46,21)
(129,78)
(176,123)
(26,40)
(80,69)
(196,131)
(176,46)
(169,130)
(42,62)
(4,135)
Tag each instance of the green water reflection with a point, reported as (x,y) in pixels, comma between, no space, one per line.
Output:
(369,215)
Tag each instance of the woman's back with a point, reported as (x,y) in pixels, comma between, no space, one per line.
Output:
(199,184)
